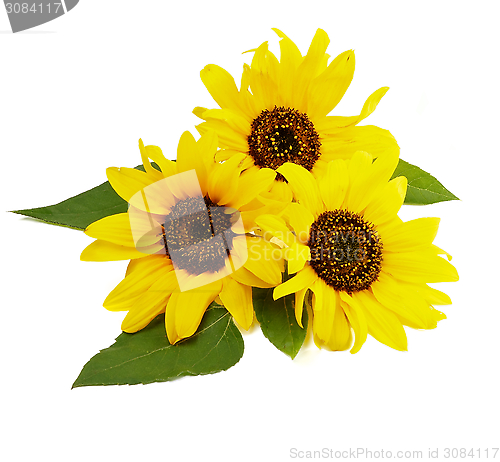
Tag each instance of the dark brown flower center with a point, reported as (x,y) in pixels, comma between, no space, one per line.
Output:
(283,135)
(197,235)
(346,251)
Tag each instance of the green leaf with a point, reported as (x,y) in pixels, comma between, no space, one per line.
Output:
(277,321)
(147,356)
(423,188)
(80,211)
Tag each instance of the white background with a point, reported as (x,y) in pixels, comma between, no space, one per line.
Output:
(78,93)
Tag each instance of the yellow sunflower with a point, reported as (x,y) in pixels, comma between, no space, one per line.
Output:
(184,233)
(280,113)
(366,268)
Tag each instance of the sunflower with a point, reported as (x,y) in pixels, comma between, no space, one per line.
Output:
(280,113)
(184,233)
(366,269)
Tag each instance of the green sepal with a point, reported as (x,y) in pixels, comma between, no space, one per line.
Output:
(147,356)
(277,321)
(423,188)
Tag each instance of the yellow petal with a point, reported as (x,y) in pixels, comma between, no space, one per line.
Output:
(151,303)
(382,324)
(235,120)
(326,90)
(300,220)
(299,305)
(303,279)
(114,228)
(385,205)
(150,170)
(199,111)
(357,319)
(304,187)
(190,158)
(343,143)
(228,138)
(369,106)
(333,186)
(264,260)
(359,168)
(422,266)
(144,273)
(324,304)
(407,304)
(135,320)
(223,180)
(244,276)
(297,256)
(251,183)
(368,178)
(273,226)
(221,86)
(168,167)
(187,309)
(237,298)
(341,336)
(434,296)
(207,145)
(106,251)
(411,235)
(290,59)
(309,68)
(128,181)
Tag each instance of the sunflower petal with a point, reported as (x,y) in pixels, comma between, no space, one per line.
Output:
(264,260)
(326,90)
(223,180)
(369,106)
(297,255)
(304,187)
(382,324)
(151,303)
(341,336)
(300,220)
(334,184)
(251,183)
(237,298)
(128,181)
(299,305)
(113,228)
(244,276)
(419,266)
(188,156)
(273,226)
(357,319)
(221,85)
(303,279)
(101,250)
(144,273)
(324,304)
(185,310)
(385,205)
(411,235)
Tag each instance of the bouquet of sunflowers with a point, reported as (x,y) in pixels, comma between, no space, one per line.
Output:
(279,214)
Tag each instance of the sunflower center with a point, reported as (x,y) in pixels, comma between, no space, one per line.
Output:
(283,135)
(346,251)
(197,235)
